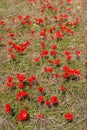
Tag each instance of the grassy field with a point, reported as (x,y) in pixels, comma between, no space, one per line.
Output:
(43,52)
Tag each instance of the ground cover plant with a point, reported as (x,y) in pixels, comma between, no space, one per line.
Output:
(43,65)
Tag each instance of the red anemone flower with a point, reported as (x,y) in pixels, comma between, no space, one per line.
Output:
(48,103)
(69,116)
(54,100)
(7,108)
(41,99)
(23,115)
(63,88)
(40,116)
(40,89)
(59,35)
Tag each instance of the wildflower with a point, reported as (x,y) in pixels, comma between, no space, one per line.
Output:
(67,53)
(51,61)
(41,99)
(2,22)
(19,16)
(63,88)
(27,17)
(37,59)
(65,75)
(40,89)
(65,68)
(32,31)
(54,46)
(56,75)
(10,49)
(28,23)
(44,53)
(1,38)
(10,78)
(54,100)
(21,77)
(48,103)
(23,22)
(68,1)
(43,44)
(7,108)
(10,84)
(13,19)
(64,16)
(40,21)
(59,35)
(21,94)
(76,72)
(23,115)
(57,62)
(12,56)
(31,79)
(28,43)
(78,53)
(69,116)
(10,43)
(55,17)
(43,33)
(21,84)
(53,52)
(40,116)
(49,69)
(69,57)
(11,34)
(85,64)
(45,69)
